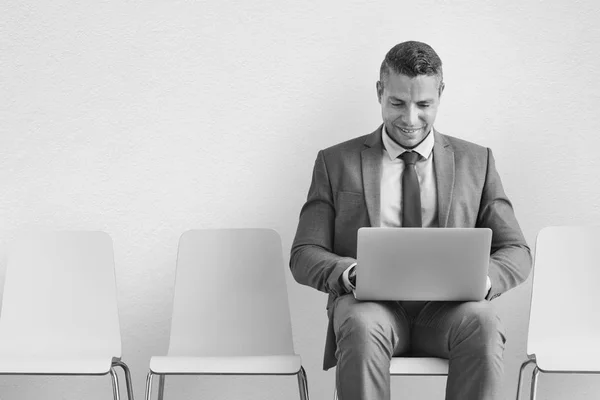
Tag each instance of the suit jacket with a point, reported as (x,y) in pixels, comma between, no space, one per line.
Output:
(344,196)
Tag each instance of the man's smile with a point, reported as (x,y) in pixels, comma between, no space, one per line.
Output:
(409,130)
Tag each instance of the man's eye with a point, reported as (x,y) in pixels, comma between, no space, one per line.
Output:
(396,104)
(424,105)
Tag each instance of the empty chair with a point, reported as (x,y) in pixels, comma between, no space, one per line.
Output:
(564,321)
(230,309)
(59,311)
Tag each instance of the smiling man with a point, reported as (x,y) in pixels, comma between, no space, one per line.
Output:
(407,174)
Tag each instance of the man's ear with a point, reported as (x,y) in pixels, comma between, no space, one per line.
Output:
(379,87)
(442,86)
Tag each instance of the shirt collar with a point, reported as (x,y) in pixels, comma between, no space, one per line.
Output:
(394,149)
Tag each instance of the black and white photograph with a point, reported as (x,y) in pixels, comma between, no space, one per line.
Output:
(347,200)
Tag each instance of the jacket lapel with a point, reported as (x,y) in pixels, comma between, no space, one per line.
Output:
(371,175)
(443,160)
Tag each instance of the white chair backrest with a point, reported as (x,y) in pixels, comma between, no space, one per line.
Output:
(230,295)
(565,297)
(60,296)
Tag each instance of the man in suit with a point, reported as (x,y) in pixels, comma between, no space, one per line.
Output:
(361,183)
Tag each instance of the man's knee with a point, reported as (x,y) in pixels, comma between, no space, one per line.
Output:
(480,328)
(365,325)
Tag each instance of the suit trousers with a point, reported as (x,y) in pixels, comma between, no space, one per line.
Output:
(368,333)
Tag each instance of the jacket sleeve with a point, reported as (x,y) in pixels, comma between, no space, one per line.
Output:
(312,260)
(510,260)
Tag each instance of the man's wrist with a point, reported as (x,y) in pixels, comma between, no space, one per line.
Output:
(349,278)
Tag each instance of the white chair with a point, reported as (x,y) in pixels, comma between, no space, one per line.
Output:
(564,320)
(416,366)
(59,311)
(230,309)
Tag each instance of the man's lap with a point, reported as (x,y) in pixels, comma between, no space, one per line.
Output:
(435,328)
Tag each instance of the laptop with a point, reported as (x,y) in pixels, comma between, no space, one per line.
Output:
(440,264)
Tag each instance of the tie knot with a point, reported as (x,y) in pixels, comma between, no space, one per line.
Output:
(409,157)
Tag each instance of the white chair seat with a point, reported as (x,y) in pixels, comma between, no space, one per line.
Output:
(248,365)
(55,365)
(575,358)
(418,366)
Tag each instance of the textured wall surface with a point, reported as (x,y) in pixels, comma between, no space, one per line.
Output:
(144,119)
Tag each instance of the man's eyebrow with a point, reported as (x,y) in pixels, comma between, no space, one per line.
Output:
(394,98)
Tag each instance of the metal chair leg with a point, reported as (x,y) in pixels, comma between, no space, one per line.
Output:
(115,383)
(161,386)
(302,384)
(534,379)
(127,378)
(149,385)
(521,376)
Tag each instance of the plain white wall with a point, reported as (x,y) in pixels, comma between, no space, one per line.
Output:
(145,119)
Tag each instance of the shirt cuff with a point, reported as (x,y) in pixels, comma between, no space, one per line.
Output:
(488,286)
(345,278)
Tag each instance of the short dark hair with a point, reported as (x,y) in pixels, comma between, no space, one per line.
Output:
(412,59)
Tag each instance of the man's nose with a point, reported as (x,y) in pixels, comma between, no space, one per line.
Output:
(411,117)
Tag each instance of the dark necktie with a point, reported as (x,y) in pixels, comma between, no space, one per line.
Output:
(411,211)
(411,192)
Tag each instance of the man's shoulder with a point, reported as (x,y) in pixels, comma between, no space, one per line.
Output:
(355,145)
(463,146)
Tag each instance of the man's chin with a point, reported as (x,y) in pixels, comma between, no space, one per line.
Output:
(408,140)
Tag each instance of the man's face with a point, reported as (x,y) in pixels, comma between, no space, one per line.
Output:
(409,106)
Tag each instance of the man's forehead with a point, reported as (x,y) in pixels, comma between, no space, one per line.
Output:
(400,85)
